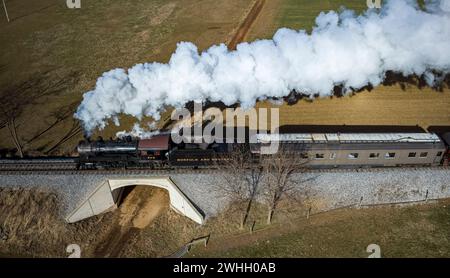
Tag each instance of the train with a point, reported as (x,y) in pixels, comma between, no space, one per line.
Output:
(320,150)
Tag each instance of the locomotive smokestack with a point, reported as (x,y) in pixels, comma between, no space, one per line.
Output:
(342,49)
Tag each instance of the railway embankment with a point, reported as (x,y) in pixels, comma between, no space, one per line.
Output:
(319,190)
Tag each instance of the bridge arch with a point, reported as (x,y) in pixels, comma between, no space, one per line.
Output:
(104,198)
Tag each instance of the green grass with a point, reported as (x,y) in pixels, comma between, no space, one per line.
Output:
(414,231)
(301,14)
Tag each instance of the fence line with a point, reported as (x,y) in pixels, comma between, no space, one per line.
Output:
(187,247)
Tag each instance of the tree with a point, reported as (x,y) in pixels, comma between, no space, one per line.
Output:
(279,181)
(243,176)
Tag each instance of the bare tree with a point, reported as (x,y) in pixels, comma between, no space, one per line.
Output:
(243,176)
(279,181)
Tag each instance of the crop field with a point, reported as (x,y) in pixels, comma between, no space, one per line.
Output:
(399,104)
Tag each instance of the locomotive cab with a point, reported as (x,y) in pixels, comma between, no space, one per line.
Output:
(153,152)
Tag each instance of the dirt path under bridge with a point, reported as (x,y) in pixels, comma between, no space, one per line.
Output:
(138,209)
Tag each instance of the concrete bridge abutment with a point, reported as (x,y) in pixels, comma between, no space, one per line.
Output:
(105,197)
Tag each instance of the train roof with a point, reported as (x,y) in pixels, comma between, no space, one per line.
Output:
(156,142)
(349,138)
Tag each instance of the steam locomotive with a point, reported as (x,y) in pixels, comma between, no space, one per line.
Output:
(322,150)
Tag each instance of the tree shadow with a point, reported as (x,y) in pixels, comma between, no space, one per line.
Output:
(17,97)
(60,115)
(75,130)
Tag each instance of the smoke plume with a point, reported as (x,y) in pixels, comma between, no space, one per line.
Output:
(343,49)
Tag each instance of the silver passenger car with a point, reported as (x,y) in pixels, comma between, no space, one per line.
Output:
(358,149)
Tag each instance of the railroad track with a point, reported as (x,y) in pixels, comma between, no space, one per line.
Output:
(68,167)
(37,164)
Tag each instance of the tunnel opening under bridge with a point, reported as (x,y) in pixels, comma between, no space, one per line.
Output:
(109,195)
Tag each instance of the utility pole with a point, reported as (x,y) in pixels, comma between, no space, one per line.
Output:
(6,11)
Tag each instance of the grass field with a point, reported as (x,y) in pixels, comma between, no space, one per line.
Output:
(47,41)
(46,36)
(413,231)
(296,14)
(301,14)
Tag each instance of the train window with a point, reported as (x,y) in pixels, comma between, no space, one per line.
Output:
(439,154)
(320,156)
(374,155)
(353,155)
(389,155)
(332,155)
(304,155)
(423,154)
(413,154)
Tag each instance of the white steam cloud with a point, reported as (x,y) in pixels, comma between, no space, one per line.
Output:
(138,131)
(343,49)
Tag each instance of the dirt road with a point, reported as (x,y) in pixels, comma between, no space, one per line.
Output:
(139,208)
(246,24)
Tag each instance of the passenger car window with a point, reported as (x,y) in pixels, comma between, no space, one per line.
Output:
(439,154)
(389,155)
(374,155)
(353,155)
(413,154)
(423,154)
(320,155)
